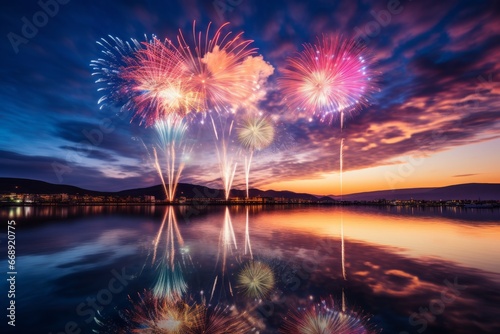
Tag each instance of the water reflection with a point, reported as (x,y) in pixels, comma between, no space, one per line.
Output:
(411,272)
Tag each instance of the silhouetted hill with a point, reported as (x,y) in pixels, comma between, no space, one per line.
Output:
(196,191)
(472,191)
(27,186)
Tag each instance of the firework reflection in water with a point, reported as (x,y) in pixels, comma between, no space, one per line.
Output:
(256,280)
(323,319)
(151,315)
(170,283)
(227,241)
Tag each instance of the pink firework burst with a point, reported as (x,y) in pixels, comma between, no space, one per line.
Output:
(158,79)
(330,77)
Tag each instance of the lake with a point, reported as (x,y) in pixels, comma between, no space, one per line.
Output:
(256,269)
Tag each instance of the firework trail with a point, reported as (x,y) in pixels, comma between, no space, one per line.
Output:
(148,79)
(170,140)
(227,163)
(343,257)
(162,98)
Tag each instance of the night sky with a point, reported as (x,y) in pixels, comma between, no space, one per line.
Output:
(434,122)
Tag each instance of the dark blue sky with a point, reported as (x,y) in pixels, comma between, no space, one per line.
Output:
(438,99)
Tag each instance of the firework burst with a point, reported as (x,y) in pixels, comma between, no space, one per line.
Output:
(159,81)
(256,280)
(255,133)
(332,76)
(221,68)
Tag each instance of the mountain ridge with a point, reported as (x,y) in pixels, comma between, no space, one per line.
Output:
(466,191)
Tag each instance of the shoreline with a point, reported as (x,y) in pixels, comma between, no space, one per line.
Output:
(230,203)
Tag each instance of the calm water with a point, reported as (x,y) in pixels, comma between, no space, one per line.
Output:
(396,270)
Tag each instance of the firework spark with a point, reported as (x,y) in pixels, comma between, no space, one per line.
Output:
(332,76)
(256,280)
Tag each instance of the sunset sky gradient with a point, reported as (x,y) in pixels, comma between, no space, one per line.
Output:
(434,122)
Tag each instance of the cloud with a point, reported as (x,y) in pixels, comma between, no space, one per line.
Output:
(60,171)
(464,175)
